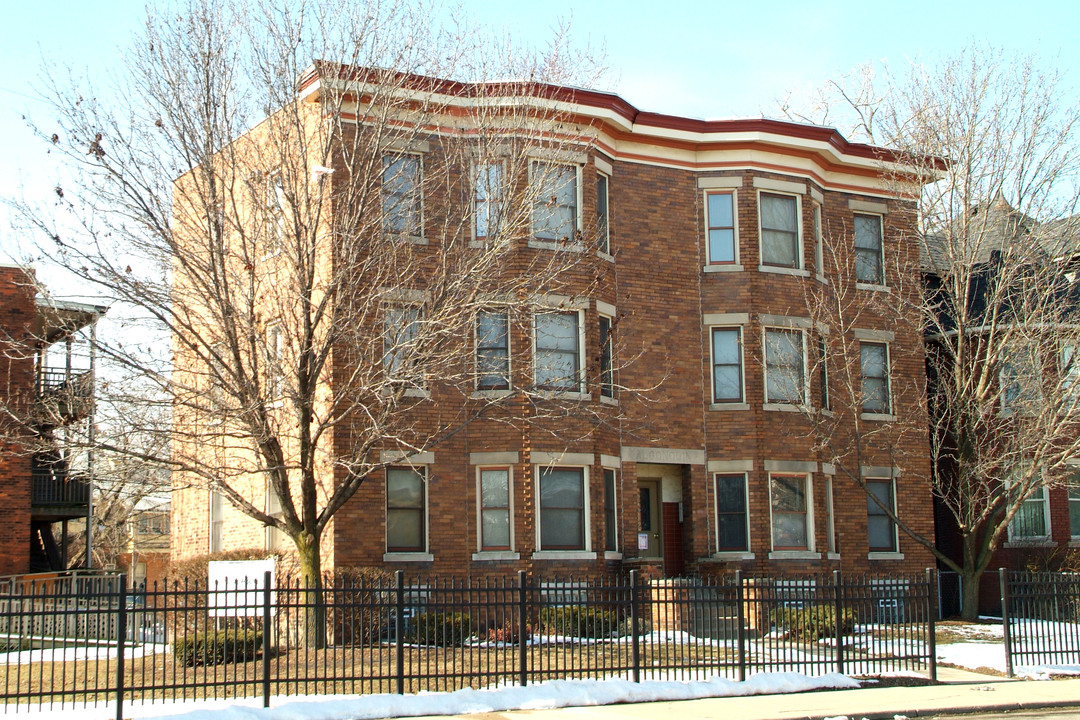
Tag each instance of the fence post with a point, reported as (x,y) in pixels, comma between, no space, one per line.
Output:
(523,631)
(635,630)
(121,631)
(1003,582)
(933,582)
(266,640)
(399,630)
(838,619)
(740,627)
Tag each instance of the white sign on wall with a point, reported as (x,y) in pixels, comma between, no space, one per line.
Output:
(236,587)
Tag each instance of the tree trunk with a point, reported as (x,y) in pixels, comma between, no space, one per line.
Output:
(313,617)
(969,593)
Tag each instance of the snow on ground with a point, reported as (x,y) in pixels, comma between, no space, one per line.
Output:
(542,696)
(985,648)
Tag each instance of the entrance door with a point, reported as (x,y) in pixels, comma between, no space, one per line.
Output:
(649,523)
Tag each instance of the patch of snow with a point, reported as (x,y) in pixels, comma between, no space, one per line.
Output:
(541,696)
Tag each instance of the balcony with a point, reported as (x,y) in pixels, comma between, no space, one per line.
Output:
(63,396)
(56,494)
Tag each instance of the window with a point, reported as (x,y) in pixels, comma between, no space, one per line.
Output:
(779,230)
(720,222)
(732,534)
(562,508)
(874,359)
(495,508)
(492,350)
(1070,378)
(405,503)
(402,325)
(1020,378)
(401,197)
(217,522)
(1074,505)
(487,200)
(555,207)
(603,218)
(869,266)
(727,365)
(274,371)
(830,515)
(217,377)
(274,536)
(880,528)
(790,516)
(275,213)
(819,244)
(607,381)
(1032,518)
(611,528)
(558,351)
(823,373)
(784,367)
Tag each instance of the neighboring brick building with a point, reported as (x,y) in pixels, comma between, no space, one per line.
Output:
(710,236)
(43,391)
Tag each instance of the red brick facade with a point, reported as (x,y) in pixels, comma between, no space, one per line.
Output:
(662,433)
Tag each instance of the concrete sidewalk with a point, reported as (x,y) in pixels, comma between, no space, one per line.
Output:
(960,692)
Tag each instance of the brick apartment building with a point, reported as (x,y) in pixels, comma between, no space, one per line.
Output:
(711,235)
(45,388)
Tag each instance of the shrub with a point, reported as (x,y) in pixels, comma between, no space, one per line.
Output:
(215,648)
(644,627)
(507,632)
(579,621)
(443,629)
(812,623)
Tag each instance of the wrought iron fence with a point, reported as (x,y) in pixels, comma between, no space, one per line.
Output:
(189,641)
(1041,618)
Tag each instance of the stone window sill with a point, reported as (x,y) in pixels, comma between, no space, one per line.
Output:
(557,246)
(794,555)
(722,407)
(878,417)
(722,268)
(563,555)
(872,287)
(490,394)
(408,557)
(730,555)
(495,555)
(885,556)
(796,272)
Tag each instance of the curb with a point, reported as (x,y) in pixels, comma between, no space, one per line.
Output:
(947,710)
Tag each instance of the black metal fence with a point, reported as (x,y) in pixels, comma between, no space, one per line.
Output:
(1041,618)
(193,642)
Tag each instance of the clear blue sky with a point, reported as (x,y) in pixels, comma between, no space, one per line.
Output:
(704,59)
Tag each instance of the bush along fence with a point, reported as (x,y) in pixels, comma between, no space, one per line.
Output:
(1040,613)
(189,641)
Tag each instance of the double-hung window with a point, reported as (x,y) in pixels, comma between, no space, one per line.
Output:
(791,529)
(785,375)
(558,351)
(495,509)
(611,527)
(720,224)
(1020,380)
(488,193)
(880,528)
(555,204)
(562,508)
(1032,518)
(406,515)
(732,534)
(274,367)
(727,375)
(779,216)
(1074,505)
(874,361)
(274,535)
(492,350)
(603,215)
(1070,378)
(400,332)
(607,376)
(275,213)
(217,521)
(402,208)
(869,263)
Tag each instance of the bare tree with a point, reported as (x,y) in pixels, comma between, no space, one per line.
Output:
(992,140)
(341,227)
